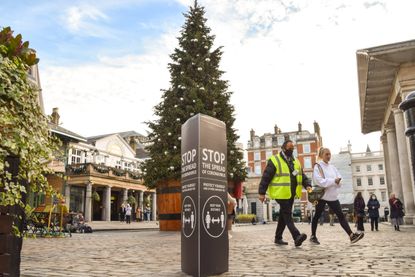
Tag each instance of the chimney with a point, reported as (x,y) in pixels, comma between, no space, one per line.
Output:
(316,128)
(299,127)
(55,116)
(275,129)
(252,134)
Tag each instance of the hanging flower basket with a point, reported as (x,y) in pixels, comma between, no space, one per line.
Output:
(96,196)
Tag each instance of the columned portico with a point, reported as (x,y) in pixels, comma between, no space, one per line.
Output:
(386,75)
(88,202)
(394,162)
(407,196)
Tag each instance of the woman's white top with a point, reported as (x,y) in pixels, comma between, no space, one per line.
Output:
(330,174)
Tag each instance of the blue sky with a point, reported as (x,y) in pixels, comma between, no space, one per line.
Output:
(103,63)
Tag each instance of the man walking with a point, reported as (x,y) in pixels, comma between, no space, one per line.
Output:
(283,179)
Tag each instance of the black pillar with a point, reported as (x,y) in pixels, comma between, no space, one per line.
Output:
(204,236)
(408,106)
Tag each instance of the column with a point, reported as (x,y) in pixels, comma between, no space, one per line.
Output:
(387,164)
(88,202)
(68,196)
(269,211)
(154,207)
(264,212)
(141,201)
(408,196)
(106,215)
(125,195)
(394,162)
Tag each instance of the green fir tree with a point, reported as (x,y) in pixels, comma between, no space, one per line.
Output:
(195,87)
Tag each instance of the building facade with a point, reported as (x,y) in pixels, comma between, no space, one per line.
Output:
(386,75)
(369,177)
(261,148)
(97,175)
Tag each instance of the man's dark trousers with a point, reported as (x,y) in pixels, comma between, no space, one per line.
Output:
(286,219)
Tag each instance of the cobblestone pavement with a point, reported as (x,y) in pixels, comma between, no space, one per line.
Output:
(252,253)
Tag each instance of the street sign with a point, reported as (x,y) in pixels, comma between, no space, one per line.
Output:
(204,240)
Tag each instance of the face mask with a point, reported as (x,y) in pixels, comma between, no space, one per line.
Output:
(289,152)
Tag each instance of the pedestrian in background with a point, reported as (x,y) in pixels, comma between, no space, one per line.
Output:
(359,210)
(128,214)
(331,216)
(373,206)
(122,212)
(231,213)
(283,180)
(327,176)
(396,208)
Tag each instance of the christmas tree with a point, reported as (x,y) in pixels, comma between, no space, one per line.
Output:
(195,87)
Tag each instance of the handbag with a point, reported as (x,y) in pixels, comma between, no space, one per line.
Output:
(317,193)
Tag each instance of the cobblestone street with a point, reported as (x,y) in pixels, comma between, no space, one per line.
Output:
(252,253)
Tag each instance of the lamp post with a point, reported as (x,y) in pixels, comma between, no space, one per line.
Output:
(408,107)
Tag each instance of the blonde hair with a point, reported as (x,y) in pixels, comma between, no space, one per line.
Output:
(321,151)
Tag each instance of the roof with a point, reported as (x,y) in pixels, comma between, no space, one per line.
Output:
(377,68)
(121,134)
(62,132)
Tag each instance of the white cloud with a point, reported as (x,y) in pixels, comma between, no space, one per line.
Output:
(287,61)
(85,20)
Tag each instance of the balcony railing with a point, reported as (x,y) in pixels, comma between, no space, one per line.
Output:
(100,170)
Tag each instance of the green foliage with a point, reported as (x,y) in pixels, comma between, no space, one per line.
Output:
(24,131)
(13,47)
(131,200)
(195,87)
(245,218)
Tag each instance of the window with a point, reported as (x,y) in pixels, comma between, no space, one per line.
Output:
(380,167)
(258,168)
(268,142)
(359,182)
(295,153)
(118,165)
(293,138)
(280,140)
(76,156)
(383,195)
(370,181)
(382,180)
(307,162)
(257,156)
(268,154)
(306,148)
(357,168)
(368,167)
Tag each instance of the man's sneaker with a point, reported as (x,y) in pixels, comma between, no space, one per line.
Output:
(299,240)
(280,242)
(314,240)
(355,237)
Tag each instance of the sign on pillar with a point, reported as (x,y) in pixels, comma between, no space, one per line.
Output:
(204,237)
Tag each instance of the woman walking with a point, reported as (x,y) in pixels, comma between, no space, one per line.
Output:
(359,210)
(373,209)
(397,213)
(327,176)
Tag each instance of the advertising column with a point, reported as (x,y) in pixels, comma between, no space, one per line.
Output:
(204,239)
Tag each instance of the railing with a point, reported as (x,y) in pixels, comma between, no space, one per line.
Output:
(99,169)
(367,154)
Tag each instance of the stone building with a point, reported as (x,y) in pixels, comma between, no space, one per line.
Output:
(386,75)
(260,148)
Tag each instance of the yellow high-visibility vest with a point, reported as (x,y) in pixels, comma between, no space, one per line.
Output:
(280,186)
